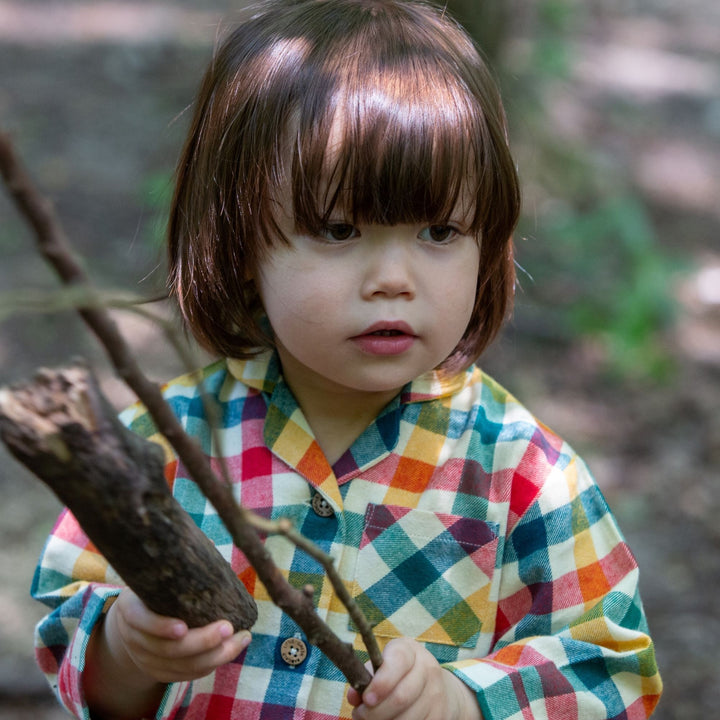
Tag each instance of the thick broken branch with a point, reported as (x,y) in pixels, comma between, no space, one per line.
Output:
(62,428)
(294,602)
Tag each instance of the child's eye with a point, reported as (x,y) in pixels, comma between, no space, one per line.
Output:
(438,233)
(339,232)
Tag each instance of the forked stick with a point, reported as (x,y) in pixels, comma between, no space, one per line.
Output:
(53,245)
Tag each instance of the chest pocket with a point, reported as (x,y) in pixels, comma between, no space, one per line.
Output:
(425,575)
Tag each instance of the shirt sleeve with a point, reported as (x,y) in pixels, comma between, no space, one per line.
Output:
(571,638)
(77,583)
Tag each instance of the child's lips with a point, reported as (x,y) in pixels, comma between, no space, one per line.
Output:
(386,338)
(388,327)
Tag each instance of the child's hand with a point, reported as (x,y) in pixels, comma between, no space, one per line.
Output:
(411,685)
(135,652)
(164,649)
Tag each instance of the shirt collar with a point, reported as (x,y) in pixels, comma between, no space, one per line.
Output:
(289,437)
(263,373)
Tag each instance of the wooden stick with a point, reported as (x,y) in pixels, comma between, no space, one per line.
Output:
(53,244)
(62,428)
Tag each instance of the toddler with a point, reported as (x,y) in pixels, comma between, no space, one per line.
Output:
(340,236)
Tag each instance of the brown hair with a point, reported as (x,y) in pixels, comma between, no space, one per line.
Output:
(421,124)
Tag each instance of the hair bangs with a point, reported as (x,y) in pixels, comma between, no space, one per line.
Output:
(395,146)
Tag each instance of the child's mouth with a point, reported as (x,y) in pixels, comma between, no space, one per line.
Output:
(386,339)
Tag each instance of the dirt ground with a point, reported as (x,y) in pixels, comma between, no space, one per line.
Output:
(93,95)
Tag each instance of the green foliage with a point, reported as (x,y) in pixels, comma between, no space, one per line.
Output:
(616,282)
(551,52)
(598,270)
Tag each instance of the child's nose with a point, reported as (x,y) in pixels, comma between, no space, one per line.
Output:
(388,271)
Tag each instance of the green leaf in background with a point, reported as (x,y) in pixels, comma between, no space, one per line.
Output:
(621,281)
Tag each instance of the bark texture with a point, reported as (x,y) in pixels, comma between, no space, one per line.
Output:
(62,428)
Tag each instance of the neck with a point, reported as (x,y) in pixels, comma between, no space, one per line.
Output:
(337,421)
(337,416)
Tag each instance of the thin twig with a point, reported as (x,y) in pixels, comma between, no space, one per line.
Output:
(53,245)
(77,297)
(285,528)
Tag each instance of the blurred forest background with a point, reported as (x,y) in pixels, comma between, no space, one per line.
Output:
(615,115)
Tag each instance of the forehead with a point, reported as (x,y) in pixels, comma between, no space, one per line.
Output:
(391,149)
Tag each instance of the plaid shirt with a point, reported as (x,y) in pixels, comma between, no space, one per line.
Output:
(455,519)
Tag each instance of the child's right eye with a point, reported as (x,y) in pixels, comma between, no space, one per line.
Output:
(339,231)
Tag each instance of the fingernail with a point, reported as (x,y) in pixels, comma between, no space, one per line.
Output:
(369,698)
(178,630)
(226,631)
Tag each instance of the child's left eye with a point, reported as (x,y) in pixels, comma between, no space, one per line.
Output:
(339,232)
(438,233)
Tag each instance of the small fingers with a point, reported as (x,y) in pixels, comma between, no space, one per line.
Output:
(166,649)
(402,703)
(190,642)
(353,696)
(138,617)
(379,700)
(188,665)
(408,686)
(398,660)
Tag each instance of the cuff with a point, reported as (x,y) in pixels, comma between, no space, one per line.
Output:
(493,687)
(69,683)
(69,688)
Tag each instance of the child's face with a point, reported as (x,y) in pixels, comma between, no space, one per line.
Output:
(370,307)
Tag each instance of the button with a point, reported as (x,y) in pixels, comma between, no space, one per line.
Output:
(293,651)
(321,506)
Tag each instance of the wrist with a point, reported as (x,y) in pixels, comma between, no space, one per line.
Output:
(114,686)
(463,702)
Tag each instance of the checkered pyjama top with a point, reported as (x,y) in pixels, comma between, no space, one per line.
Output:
(456,519)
